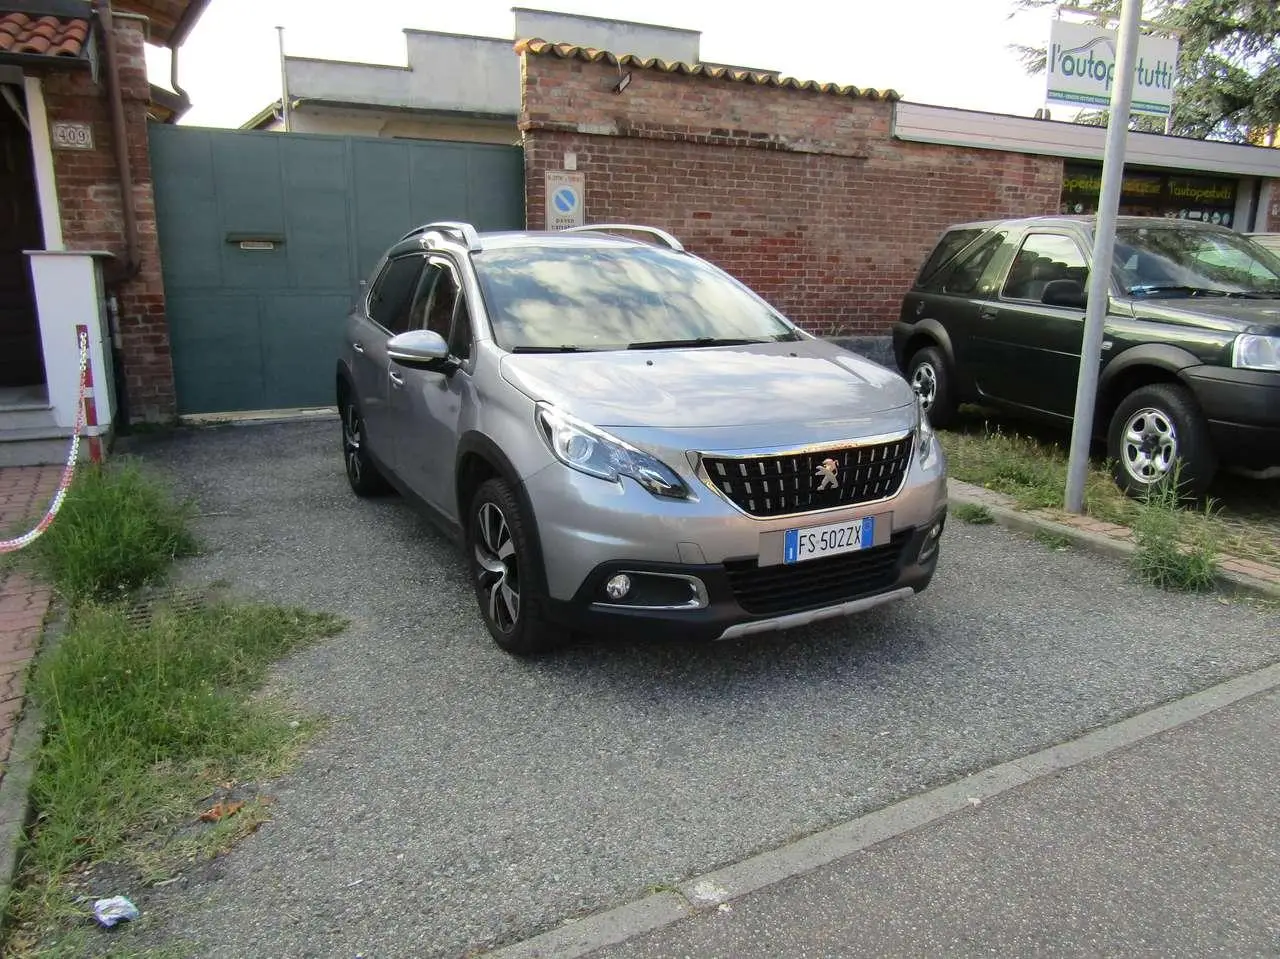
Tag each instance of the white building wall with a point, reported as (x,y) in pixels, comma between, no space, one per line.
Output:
(445,72)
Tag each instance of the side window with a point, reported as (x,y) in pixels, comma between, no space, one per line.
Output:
(951,243)
(442,308)
(392,293)
(962,278)
(1044,257)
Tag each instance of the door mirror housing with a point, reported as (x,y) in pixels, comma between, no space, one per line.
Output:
(422,350)
(1067,293)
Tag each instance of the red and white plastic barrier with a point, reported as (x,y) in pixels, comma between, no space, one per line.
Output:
(85,411)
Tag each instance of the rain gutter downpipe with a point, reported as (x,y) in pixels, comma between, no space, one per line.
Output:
(119,136)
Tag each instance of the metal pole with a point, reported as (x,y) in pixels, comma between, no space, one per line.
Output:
(1103,240)
(284,82)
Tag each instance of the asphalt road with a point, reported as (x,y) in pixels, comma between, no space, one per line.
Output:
(1165,849)
(462,798)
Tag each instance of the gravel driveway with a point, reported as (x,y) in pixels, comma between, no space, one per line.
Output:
(462,798)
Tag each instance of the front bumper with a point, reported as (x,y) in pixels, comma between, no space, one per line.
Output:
(1243,410)
(590,529)
(742,598)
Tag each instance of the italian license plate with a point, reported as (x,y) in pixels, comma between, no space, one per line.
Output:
(799,545)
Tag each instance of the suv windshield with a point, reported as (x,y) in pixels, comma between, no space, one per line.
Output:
(1172,260)
(580,298)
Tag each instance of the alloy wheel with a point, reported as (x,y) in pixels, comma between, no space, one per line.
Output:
(352,440)
(924,380)
(1150,446)
(499,571)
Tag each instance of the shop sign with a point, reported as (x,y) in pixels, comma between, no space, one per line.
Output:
(1082,68)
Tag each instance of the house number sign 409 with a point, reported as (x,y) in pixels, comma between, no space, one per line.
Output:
(72,136)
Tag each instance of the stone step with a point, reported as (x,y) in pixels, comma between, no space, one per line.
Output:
(36,446)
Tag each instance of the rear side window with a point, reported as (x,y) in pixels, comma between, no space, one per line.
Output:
(951,243)
(392,293)
(962,276)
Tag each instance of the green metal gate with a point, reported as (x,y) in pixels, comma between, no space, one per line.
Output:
(265,237)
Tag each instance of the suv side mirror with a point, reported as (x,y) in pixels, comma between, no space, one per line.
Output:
(1064,293)
(422,350)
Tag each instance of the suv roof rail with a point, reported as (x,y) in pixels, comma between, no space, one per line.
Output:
(465,231)
(653,231)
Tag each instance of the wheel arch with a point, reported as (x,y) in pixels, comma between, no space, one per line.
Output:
(1135,368)
(928,332)
(479,459)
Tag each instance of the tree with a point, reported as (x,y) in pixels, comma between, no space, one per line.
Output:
(1228,65)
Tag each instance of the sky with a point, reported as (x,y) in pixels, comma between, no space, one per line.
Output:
(945,52)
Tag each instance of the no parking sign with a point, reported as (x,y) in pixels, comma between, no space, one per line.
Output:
(565,199)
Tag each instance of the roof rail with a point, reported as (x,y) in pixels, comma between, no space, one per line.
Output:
(653,231)
(464,231)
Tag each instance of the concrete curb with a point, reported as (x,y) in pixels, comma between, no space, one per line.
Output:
(1026,522)
(708,891)
(15,787)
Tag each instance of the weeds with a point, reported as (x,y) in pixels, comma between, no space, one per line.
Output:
(1162,558)
(141,723)
(974,513)
(1055,541)
(117,530)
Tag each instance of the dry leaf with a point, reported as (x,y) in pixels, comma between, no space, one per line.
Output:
(221,811)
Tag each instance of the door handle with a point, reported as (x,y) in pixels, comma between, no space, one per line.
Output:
(396,379)
(987,313)
(358,346)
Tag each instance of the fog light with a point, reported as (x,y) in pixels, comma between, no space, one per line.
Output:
(618,586)
(930,544)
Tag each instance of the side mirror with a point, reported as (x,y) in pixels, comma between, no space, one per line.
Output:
(1067,293)
(422,350)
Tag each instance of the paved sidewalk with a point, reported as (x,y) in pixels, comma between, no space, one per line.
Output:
(1166,848)
(24,494)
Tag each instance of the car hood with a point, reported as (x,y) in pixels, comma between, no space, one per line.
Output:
(1213,313)
(764,383)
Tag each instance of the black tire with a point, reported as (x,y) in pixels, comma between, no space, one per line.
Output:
(1173,431)
(362,475)
(496,524)
(930,376)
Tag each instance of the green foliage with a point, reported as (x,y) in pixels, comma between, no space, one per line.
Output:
(117,530)
(1228,64)
(143,721)
(974,513)
(1162,558)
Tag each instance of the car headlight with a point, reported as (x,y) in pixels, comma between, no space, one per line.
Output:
(586,449)
(924,432)
(1253,351)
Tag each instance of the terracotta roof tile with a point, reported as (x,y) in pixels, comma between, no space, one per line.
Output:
(42,36)
(569,51)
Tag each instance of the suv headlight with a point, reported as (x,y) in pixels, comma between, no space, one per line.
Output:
(586,449)
(1251,351)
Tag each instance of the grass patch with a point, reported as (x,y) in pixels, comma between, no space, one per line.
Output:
(141,723)
(1033,473)
(974,513)
(118,530)
(1162,558)
(1052,540)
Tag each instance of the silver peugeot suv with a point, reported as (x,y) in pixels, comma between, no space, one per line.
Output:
(628,440)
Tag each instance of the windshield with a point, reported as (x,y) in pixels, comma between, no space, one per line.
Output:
(617,298)
(1170,260)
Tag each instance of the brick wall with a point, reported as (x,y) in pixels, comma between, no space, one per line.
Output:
(89,198)
(801,194)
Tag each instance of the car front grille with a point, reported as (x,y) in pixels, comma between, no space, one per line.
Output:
(801,482)
(772,590)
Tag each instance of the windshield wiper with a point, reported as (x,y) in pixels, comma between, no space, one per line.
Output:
(1151,289)
(1154,289)
(695,341)
(566,348)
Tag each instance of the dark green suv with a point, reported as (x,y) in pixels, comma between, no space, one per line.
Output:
(1190,357)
